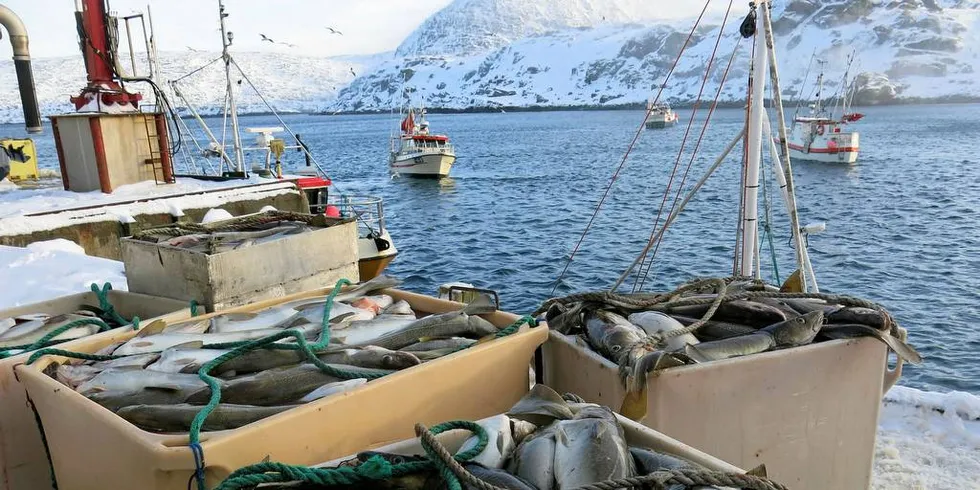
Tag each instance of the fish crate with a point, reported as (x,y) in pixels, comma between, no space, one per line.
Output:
(23,462)
(93,448)
(809,413)
(636,435)
(290,264)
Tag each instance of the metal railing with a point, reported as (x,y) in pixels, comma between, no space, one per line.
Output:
(369,209)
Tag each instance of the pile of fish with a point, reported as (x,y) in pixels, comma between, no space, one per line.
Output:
(155,384)
(646,332)
(544,442)
(23,330)
(215,242)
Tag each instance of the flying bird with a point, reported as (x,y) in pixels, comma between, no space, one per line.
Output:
(264,38)
(192,49)
(334,31)
(352,72)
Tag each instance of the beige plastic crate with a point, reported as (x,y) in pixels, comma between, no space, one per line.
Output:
(23,463)
(92,448)
(809,413)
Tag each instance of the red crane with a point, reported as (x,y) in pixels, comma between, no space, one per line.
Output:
(103,86)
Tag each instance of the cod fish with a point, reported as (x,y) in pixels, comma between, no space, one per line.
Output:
(146,341)
(178,417)
(437,344)
(738,311)
(534,459)
(33,330)
(365,288)
(73,375)
(500,443)
(497,477)
(853,330)
(613,336)
(452,324)
(591,448)
(332,389)
(654,322)
(117,388)
(362,331)
(276,386)
(788,333)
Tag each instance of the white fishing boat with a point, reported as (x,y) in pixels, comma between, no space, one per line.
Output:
(660,116)
(418,153)
(822,136)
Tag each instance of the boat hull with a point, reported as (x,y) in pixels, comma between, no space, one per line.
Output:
(372,258)
(808,142)
(426,165)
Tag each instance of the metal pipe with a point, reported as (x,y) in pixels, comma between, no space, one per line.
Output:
(22,65)
(754,147)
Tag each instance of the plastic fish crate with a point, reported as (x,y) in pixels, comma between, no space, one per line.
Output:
(636,435)
(289,265)
(23,463)
(94,449)
(809,413)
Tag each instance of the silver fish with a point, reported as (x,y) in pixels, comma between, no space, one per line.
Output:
(75,374)
(185,359)
(365,288)
(400,307)
(370,357)
(34,330)
(362,331)
(853,330)
(591,448)
(450,343)
(654,322)
(789,333)
(456,323)
(163,341)
(178,417)
(332,389)
(614,336)
(272,387)
(500,442)
(534,459)
(134,379)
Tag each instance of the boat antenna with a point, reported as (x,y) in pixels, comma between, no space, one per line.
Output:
(227,37)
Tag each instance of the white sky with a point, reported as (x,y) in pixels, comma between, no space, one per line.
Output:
(368,26)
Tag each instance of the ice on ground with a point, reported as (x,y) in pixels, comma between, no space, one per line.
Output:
(216,214)
(49,269)
(928,440)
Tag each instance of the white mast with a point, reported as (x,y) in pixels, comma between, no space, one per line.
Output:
(750,219)
(226,39)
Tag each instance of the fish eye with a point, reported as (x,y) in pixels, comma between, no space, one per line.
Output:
(397,459)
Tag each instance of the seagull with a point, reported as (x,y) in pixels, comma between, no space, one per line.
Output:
(334,31)
(352,71)
(192,49)
(264,38)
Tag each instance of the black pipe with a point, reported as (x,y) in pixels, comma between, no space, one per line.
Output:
(28,97)
(22,65)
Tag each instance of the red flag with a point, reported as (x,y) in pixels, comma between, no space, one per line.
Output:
(408,124)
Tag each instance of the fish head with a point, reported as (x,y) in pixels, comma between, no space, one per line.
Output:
(399,360)
(796,331)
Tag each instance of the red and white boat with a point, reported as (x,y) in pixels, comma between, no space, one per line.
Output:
(821,136)
(415,152)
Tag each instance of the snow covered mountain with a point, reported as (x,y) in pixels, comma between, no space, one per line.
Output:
(492,53)
(553,53)
(291,83)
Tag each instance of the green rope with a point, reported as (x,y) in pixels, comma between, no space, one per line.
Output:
(239,348)
(374,469)
(508,330)
(67,353)
(47,339)
(108,311)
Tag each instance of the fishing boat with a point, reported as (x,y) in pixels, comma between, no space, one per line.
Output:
(418,153)
(822,136)
(660,115)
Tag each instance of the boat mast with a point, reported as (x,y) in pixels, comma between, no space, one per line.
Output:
(818,105)
(226,39)
(750,216)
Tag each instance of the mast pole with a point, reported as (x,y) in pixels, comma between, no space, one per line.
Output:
(750,215)
(226,39)
(786,169)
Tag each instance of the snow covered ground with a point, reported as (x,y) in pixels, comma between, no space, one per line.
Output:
(926,440)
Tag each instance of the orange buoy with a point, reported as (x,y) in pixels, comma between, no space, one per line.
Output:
(332,211)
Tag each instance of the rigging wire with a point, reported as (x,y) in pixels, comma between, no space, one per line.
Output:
(677,196)
(629,149)
(806,76)
(641,277)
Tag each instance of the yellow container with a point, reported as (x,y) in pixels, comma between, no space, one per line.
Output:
(809,413)
(20,170)
(93,449)
(23,462)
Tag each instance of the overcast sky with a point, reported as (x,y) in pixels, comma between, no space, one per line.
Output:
(368,26)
